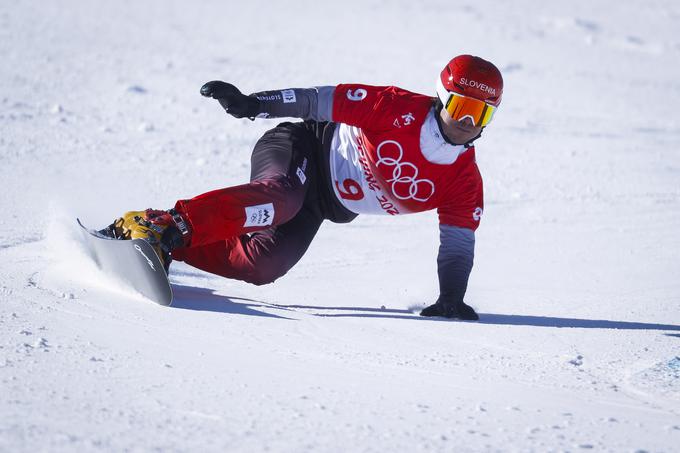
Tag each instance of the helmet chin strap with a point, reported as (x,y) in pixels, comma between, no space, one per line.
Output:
(469,143)
(438,107)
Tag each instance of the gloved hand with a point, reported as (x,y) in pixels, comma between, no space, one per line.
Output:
(447,309)
(231,99)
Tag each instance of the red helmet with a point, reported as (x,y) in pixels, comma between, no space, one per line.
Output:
(473,77)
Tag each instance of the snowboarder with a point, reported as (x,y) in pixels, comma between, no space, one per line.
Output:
(360,149)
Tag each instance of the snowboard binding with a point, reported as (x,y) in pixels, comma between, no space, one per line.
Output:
(163,230)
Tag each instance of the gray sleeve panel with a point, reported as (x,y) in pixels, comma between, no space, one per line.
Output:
(324,105)
(306,103)
(454,262)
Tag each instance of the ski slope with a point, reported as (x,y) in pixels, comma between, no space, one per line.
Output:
(577,266)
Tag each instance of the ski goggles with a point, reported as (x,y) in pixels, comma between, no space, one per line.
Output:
(461,107)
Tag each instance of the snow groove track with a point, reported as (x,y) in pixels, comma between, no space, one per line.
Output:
(577,266)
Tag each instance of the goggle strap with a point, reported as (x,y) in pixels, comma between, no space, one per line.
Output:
(443,93)
(482,117)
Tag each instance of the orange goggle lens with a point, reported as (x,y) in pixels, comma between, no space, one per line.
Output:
(460,107)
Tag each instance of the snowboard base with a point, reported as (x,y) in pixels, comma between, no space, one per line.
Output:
(133,262)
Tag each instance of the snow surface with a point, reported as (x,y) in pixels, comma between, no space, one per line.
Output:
(577,273)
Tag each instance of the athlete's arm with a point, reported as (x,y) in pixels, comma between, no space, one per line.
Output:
(454,262)
(354,104)
(306,103)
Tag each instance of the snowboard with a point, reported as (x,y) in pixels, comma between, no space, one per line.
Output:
(134,262)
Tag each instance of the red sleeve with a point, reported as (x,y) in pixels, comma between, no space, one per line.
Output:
(465,205)
(364,106)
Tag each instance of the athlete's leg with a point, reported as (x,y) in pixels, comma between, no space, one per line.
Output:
(259,250)
(273,197)
(260,257)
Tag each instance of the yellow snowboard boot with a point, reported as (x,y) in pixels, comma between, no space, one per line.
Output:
(164,230)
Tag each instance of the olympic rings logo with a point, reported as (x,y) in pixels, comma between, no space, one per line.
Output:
(405,182)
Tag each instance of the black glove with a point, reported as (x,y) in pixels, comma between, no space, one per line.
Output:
(234,102)
(459,310)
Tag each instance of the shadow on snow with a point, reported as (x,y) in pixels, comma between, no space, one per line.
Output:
(202,299)
(492,318)
(524,320)
(548,321)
